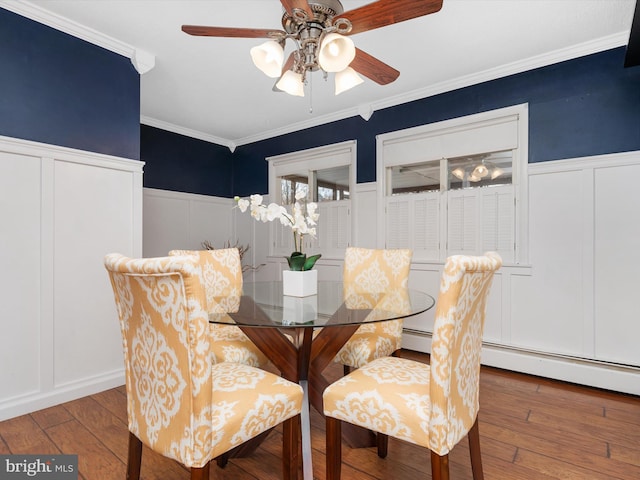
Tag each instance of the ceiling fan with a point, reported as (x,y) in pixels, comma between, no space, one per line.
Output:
(320,30)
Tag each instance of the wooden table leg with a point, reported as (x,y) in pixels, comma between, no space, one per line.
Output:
(293,363)
(323,350)
(304,362)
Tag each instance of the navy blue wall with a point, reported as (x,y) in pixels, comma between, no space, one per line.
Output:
(179,163)
(586,106)
(60,90)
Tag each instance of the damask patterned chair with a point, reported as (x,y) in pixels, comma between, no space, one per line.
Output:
(434,405)
(179,403)
(369,273)
(221,275)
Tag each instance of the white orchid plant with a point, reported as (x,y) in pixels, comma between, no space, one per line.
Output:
(302,220)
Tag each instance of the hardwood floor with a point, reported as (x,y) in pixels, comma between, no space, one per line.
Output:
(530,428)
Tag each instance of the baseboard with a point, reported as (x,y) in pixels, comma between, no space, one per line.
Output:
(33,402)
(592,373)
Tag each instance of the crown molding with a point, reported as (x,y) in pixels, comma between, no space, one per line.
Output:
(233,144)
(171,127)
(575,51)
(312,122)
(569,53)
(531,63)
(142,61)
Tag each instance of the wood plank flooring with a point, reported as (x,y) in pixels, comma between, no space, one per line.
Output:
(530,428)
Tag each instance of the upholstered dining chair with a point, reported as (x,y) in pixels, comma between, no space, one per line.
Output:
(221,274)
(179,402)
(434,405)
(369,273)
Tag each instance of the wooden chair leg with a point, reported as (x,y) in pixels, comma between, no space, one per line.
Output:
(439,467)
(334,448)
(382,442)
(135,457)
(200,473)
(474,451)
(290,453)
(222,460)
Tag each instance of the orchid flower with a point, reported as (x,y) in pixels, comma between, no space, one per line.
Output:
(302,220)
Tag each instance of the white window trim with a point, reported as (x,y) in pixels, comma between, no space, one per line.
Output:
(436,133)
(314,159)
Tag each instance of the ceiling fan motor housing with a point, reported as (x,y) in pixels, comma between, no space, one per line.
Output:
(309,31)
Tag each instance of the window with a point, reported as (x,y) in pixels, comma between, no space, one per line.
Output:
(457,186)
(484,170)
(330,184)
(416,178)
(325,175)
(290,186)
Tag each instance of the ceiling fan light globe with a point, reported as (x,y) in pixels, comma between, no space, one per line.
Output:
(347,79)
(497,171)
(480,171)
(336,52)
(459,173)
(268,57)
(291,83)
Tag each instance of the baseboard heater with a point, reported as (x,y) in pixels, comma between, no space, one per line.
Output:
(543,355)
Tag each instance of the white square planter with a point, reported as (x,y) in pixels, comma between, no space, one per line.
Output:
(299,283)
(296,310)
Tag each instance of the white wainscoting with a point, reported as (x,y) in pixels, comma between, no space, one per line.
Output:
(62,211)
(183,221)
(571,314)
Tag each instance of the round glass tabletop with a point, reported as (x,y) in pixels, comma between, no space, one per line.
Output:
(262,304)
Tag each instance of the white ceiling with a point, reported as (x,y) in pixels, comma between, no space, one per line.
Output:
(208,87)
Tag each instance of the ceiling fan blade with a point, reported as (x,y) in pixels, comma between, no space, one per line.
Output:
(204,31)
(289,5)
(387,12)
(373,69)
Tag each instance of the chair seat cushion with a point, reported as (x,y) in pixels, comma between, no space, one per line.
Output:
(388,395)
(371,341)
(248,401)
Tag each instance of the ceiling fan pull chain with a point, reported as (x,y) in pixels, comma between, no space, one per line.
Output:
(310,94)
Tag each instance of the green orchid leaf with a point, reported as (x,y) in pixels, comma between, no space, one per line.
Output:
(310,262)
(296,261)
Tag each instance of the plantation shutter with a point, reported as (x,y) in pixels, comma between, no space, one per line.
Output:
(426,226)
(462,222)
(397,218)
(498,221)
(412,221)
(333,232)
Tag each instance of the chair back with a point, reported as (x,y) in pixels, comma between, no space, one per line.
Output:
(456,347)
(165,332)
(375,271)
(220,273)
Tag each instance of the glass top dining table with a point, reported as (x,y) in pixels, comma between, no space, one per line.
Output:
(262,304)
(302,335)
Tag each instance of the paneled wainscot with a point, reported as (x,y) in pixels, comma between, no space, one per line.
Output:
(62,210)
